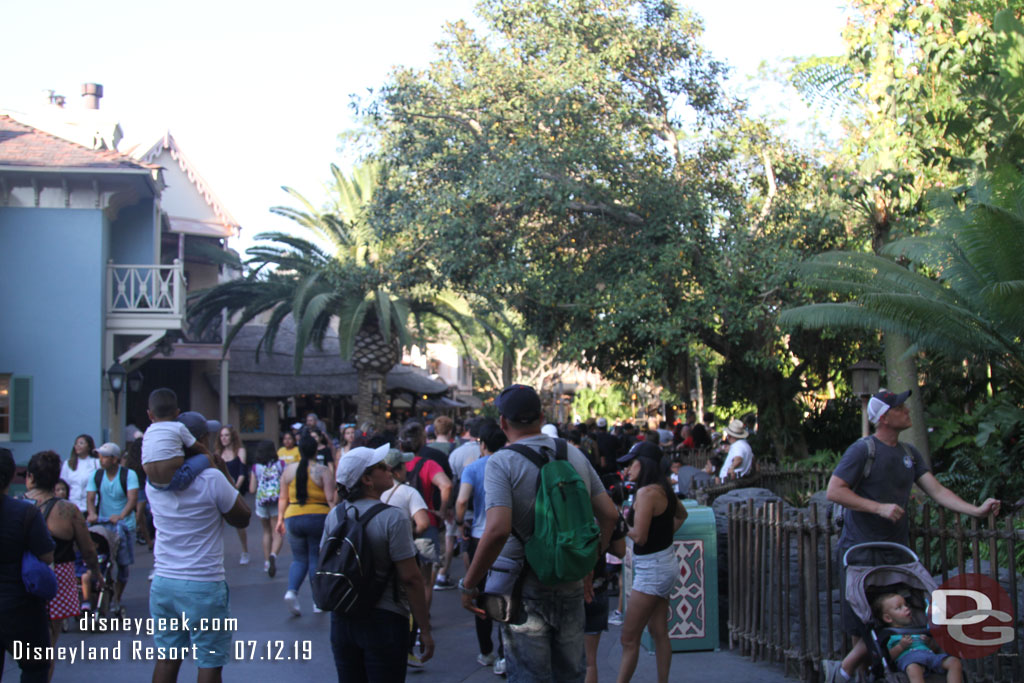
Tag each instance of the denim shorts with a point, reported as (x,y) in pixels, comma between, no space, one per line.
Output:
(930,661)
(266,511)
(548,645)
(200,601)
(657,573)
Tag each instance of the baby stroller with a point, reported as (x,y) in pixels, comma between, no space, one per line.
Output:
(874,569)
(105,538)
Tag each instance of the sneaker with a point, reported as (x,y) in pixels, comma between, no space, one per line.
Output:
(487,660)
(266,566)
(443,583)
(292,601)
(414,661)
(500,667)
(272,566)
(243,558)
(615,618)
(316,610)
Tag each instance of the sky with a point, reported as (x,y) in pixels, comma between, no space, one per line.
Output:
(256,92)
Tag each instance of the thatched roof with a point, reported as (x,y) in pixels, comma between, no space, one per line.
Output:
(323,371)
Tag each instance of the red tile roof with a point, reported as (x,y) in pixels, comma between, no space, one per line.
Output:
(22,145)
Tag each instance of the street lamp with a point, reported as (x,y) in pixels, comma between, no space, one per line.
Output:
(116,375)
(864,380)
(134,380)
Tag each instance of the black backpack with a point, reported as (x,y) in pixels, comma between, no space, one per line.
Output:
(122,473)
(345,580)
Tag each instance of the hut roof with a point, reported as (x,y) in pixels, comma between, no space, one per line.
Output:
(272,375)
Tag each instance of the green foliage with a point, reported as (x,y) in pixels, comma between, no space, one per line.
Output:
(970,310)
(821,459)
(610,402)
(581,165)
(978,453)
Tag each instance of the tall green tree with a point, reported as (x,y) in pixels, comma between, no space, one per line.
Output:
(582,165)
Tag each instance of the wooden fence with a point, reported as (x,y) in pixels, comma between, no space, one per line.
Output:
(784,594)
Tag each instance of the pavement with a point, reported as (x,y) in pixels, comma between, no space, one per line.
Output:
(271,646)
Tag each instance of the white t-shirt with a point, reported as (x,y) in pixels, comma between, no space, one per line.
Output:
(405,497)
(78,479)
(165,440)
(742,449)
(190,542)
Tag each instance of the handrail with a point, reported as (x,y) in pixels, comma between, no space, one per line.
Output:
(146,289)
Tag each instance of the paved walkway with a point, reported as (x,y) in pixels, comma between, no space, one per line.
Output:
(263,621)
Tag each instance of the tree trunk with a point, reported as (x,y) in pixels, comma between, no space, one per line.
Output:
(367,399)
(507,366)
(900,375)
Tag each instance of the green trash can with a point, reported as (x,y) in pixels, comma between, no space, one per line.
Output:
(693,606)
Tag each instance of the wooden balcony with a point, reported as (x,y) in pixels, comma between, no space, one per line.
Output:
(145,299)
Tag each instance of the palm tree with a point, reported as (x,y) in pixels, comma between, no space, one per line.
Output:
(341,278)
(962,297)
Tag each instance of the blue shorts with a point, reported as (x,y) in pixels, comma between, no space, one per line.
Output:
(200,601)
(930,661)
(186,474)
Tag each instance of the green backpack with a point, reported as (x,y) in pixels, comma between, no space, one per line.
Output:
(565,540)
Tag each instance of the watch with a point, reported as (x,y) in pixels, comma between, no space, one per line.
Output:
(468,591)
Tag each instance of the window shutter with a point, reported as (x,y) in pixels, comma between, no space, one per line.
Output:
(21,408)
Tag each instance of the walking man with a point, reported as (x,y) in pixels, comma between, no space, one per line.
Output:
(548,644)
(875,491)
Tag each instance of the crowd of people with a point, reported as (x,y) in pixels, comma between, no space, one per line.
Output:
(452,489)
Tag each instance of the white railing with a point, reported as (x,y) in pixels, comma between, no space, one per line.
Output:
(146,289)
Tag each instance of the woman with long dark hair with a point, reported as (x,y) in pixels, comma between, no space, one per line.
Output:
(66,525)
(79,468)
(308,493)
(654,518)
(229,447)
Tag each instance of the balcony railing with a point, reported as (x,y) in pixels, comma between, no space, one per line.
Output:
(146,291)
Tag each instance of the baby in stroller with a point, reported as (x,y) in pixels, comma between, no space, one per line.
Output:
(889,590)
(914,653)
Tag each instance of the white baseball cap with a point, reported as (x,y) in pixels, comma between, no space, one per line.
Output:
(354,463)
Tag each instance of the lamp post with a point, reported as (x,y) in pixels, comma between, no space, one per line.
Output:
(864,378)
(116,375)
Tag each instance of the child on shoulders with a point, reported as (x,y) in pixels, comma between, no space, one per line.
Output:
(166,443)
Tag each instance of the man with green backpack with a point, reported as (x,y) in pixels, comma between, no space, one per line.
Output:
(548,517)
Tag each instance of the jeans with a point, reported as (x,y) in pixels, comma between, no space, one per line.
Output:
(186,474)
(548,646)
(304,532)
(370,648)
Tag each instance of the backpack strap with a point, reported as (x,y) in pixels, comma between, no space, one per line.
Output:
(416,469)
(392,576)
(122,474)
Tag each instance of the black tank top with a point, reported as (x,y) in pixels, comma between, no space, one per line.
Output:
(659,536)
(64,550)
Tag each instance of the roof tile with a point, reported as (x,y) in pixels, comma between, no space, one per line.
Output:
(22,145)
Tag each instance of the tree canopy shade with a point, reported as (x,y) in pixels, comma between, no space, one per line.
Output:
(582,165)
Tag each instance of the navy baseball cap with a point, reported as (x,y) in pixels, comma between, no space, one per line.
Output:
(519,403)
(198,425)
(881,402)
(641,449)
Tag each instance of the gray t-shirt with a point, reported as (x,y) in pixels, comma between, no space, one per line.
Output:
(511,481)
(390,535)
(463,456)
(892,476)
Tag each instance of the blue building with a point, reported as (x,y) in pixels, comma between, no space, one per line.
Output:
(84,285)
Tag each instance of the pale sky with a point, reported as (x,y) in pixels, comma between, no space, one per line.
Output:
(256,92)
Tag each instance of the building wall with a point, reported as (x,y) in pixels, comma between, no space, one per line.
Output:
(132,235)
(51,304)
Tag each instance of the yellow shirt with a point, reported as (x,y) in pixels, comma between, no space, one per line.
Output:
(316,501)
(288,455)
